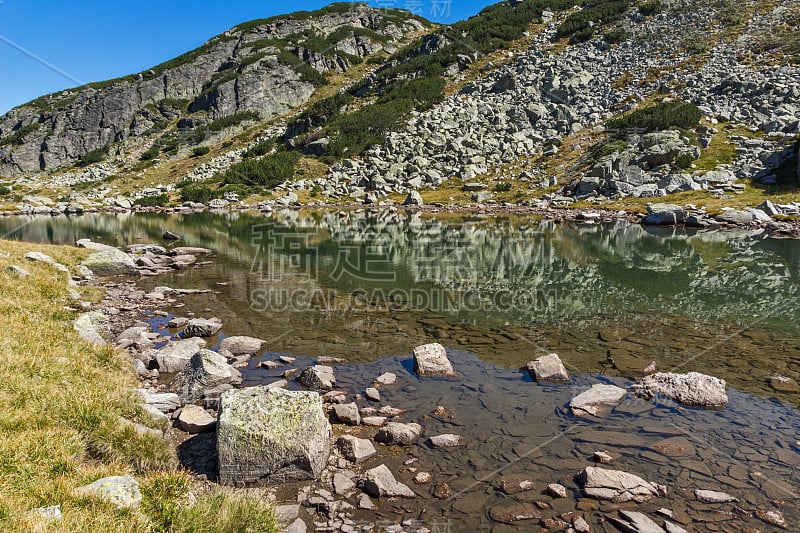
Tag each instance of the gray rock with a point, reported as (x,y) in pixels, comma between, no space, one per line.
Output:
(548,368)
(174,356)
(121,491)
(431,360)
(18,271)
(343,484)
(93,327)
(594,400)
(39,257)
(373,394)
(712,496)
(202,327)
(110,262)
(387,378)
(347,413)
(379,482)
(448,440)
(354,449)
(557,490)
(318,377)
(240,345)
(617,486)
(195,419)
(40,517)
(635,522)
(206,375)
(397,433)
(166,402)
(693,388)
(271,435)
(736,217)
(413,198)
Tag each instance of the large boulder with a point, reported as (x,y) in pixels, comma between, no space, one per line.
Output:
(431,360)
(271,435)
(176,354)
(110,262)
(548,368)
(93,327)
(693,388)
(202,327)
(206,375)
(617,486)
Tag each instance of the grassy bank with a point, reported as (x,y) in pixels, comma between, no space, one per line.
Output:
(62,401)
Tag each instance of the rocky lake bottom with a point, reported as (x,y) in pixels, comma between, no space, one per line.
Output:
(611,300)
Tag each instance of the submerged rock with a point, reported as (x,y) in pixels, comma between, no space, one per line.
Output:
(399,434)
(693,388)
(122,491)
(617,486)
(271,435)
(713,496)
(447,440)
(514,483)
(509,513)
(431,360)
(592,401)
(379,482)
(636,522)
(548,368)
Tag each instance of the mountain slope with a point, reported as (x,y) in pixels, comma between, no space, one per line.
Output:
(257,70)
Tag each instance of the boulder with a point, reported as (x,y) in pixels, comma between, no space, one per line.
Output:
(271,435)
(617,486)
(379,482)
(176,354)
(318,377)
(18,271)
(693,388)
(636,522)
(93,327)
(121,491)
(206,375)
(195,419)
(413,198)
(354,449)
(166,402)
(202,327)
(431,360)
(347,413)
(110,262)
(240,345)
(548,368)
(399,434)
(592,401)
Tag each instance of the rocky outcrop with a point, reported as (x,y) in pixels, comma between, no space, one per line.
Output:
(271,435)
(244,69)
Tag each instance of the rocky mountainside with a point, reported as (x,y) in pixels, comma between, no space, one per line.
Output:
(256,71)
(533,103)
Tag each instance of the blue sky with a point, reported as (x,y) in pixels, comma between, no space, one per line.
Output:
(48,46)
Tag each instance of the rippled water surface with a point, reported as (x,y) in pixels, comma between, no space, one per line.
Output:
(498,292)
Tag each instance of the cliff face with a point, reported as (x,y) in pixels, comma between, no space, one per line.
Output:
(267,67)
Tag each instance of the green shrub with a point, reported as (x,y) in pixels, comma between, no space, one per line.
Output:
(233,120)
(601,11)
(18,137)
(614,36)
(4,190)
(198,193)
(502,187)
(159,200)
(198,151)
(660,116)
(151,153)
(617,145)
(684,161)
(306,71)
(262,148)
(269,171)
(94,156)
(650,8)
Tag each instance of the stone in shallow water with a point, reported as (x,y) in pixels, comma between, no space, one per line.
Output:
(241,345)
(347,413)
(176,354)
(207,374)
(122,491)
(617,486)
(548,368)
(354,449)
(318,377)
(514,483)
(373,394)
(771,516)
(557,490)
(509,513)
(713,496)
(387,378)
(431,360)
(592,401)
(271,435)
(111,262)
(636,522)
(448,440)
(399,434)
(202,327)
(379,482)
(693,388)
(784,384)
(674,447)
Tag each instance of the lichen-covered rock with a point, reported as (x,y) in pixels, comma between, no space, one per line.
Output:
(693,388)
(122,491)
(176,354)
(271,435)
(111,262)
(206,375)
(93,327)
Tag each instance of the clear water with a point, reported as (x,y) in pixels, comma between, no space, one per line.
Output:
(498,292)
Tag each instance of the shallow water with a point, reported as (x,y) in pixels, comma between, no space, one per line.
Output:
(610,299)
